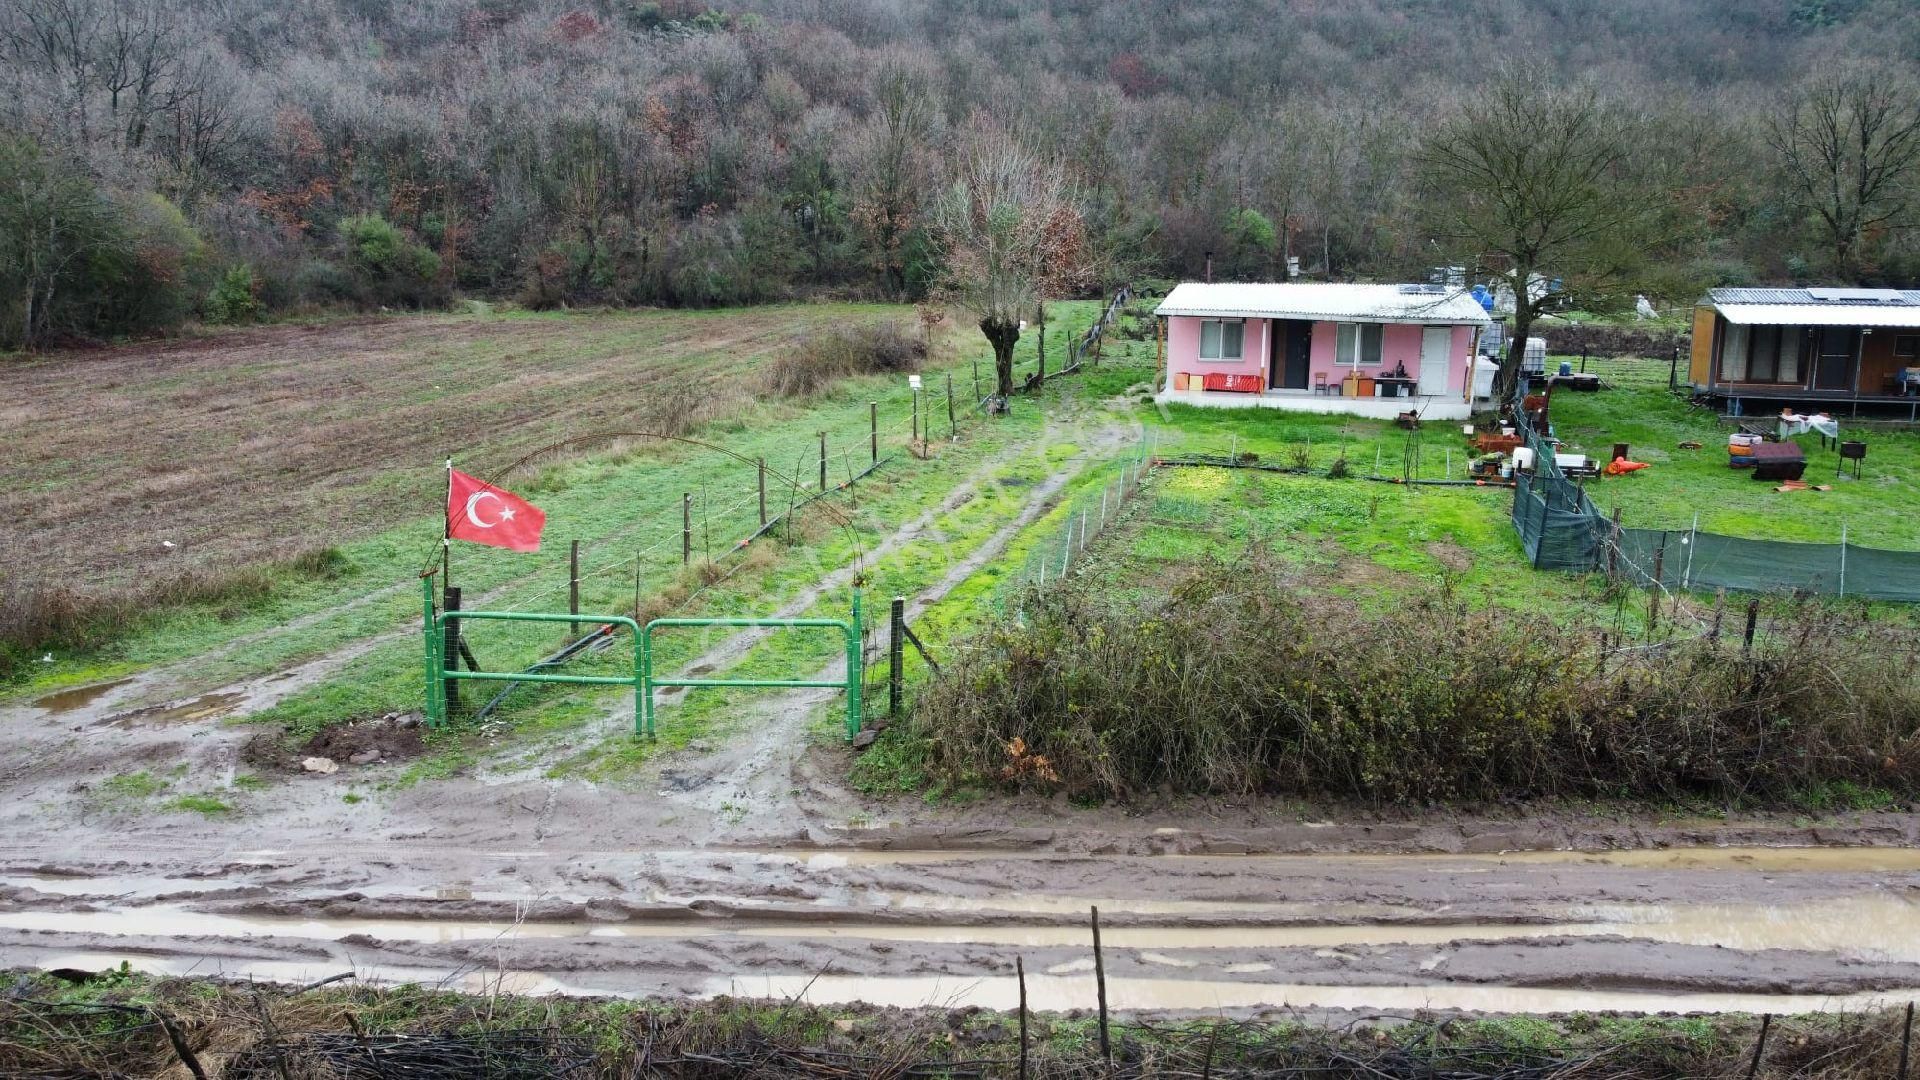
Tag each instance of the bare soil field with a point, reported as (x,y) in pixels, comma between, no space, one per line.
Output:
(261,443)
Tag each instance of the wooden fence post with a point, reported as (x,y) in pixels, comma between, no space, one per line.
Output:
(761,468)
(686,527)
(873,431)
(450,644)
(573,583)
(896,640)
(823,461)
(953,425)
(1100,989)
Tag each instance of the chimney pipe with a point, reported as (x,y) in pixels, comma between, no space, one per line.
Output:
(1209,266)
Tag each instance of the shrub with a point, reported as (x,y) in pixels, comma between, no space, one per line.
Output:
(1239,684)
(235,298)
(826,356)
(391,267)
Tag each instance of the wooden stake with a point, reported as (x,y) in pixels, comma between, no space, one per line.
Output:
(686,527)
(952,424)
(573,583)
(1020,972)
(1100,987)
(1753,621)
(761,467)
(1906,1040)
(823,461)
(873,431)
(1766,1022)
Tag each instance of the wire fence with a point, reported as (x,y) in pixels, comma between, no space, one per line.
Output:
(1082,521)
(1561,529)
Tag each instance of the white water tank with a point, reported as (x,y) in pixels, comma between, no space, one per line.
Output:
(1534,360)
(1484,371)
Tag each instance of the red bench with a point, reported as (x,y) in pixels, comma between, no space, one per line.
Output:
(1232,382)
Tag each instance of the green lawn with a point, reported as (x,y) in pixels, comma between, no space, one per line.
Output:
(1637,409)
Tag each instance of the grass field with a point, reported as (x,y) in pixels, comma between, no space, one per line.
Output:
(1637,409)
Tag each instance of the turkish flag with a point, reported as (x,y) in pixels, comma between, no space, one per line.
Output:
(484,514)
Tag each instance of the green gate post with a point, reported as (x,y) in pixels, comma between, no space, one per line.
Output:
(856,673)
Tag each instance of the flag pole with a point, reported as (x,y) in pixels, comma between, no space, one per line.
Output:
(446,534)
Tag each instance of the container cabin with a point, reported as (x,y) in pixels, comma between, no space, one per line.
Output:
(1826,349)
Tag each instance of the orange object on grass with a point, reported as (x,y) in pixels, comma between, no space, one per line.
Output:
(1621,466)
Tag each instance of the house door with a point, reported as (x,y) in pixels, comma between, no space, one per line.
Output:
(1436,361)
(1839,349)
(1292,347)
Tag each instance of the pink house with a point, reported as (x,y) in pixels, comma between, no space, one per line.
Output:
(1368,350)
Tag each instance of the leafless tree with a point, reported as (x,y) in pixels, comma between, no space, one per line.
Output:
(1849,144)
(1011,232)
(1535,180)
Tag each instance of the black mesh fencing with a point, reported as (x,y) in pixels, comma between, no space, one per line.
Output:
(1561,529)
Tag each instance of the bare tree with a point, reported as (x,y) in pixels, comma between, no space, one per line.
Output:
(1849,145)
(891,168)
(1536,181)
(1011,232)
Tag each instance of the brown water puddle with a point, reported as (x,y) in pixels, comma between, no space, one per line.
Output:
(201,708)
(1046,993)
(78,697)
(1873,926)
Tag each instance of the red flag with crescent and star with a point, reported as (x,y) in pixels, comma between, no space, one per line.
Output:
(484,514)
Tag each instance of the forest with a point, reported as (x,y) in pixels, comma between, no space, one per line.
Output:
(170,161)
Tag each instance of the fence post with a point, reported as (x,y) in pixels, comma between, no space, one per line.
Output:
(1693,540)
(823,461)
(896,619)
(1843,559)
(686,527)
(761,467)
(952,424)
(573,583)
(1753,621)
(450,650)
(1613,548)
(873,432)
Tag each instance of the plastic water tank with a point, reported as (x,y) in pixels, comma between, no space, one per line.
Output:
(1523,458)
(1484,371)
(1534,360)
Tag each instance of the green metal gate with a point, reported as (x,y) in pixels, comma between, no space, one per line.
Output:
(642,680)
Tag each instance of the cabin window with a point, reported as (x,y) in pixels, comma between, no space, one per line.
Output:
(1220,339)
(1907,346)
(1359,343)
(1761,354)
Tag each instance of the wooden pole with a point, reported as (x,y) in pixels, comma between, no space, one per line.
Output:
(450,643)
(914,437)
(573,583)
(1766,1024)
(953,425)
(873,431)
(823,461)
(1753,622)
(761,467)
(1906,1038)
(1020,972)
(686,527)
(1613,548)
(896,655)
(1100,989)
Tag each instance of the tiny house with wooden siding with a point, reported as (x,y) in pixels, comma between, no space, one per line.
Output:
(1760,350)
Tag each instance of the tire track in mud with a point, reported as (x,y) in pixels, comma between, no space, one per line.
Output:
(747,792)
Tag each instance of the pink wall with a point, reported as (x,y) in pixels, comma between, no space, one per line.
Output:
(1400,344)
(1183,348)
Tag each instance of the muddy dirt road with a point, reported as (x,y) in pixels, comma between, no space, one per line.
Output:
(744,865)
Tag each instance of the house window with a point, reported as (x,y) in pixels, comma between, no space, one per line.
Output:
(1359,343)
(1220,339)
(1907,346)
(1761,354)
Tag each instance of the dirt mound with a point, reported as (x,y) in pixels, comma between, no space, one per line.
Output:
(393,737)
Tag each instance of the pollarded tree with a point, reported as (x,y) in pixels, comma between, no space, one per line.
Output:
(1849,145)
(1010,233)
(1539,181)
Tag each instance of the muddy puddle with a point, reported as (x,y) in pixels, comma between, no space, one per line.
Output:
(203,707)
(78,697)
(1875,926)
(1045,992)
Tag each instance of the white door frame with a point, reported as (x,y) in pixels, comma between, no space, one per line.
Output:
(1436,374)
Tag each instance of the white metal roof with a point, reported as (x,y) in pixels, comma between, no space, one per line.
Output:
(1820,315)
(1818,307)
(1323,302)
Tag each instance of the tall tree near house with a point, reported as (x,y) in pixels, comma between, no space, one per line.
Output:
(1010,233)
(1849,146)
(1535,180)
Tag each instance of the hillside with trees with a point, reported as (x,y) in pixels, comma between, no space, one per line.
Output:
(225,160)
